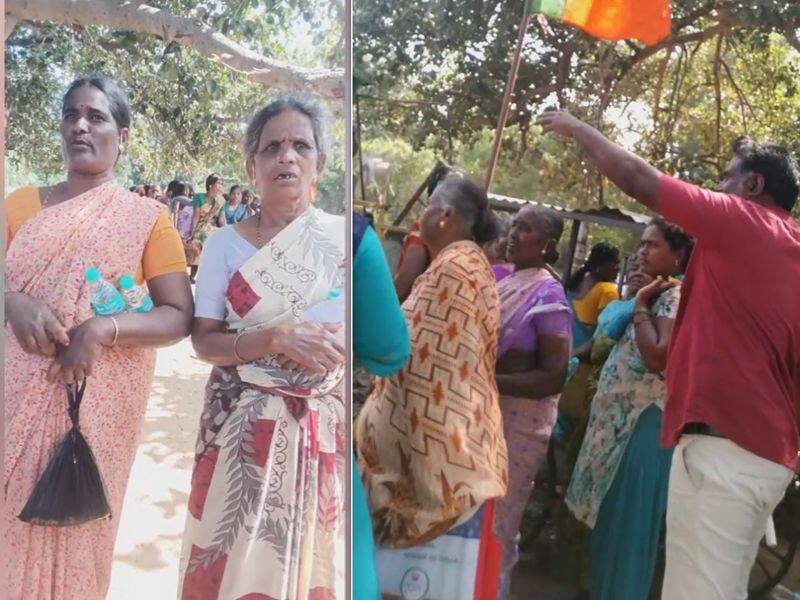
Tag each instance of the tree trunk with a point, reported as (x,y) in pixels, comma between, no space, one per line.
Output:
(192,33)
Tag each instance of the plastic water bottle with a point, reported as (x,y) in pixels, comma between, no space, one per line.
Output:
(330,310)
(105,298)
(136,298)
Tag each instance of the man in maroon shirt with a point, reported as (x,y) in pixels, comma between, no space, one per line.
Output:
(733,367)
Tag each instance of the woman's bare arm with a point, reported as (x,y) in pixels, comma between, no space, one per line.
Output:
(546,378)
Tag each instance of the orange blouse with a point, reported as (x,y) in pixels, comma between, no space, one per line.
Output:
(163,253)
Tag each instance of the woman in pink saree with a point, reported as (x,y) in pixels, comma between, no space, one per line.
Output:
(266,509)
(53,338)
(533,353)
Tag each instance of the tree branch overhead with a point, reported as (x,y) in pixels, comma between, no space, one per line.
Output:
(194,34)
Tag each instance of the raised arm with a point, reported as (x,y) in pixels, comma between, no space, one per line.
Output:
(630,173)
(414,264)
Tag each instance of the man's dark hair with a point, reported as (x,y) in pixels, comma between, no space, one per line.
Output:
(775,164)
(180,188)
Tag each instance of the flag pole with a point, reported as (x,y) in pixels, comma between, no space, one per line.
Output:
(509,92)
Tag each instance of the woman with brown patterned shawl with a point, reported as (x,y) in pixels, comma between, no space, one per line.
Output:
(430,439)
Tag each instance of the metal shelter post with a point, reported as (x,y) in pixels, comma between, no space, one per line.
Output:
(573,244)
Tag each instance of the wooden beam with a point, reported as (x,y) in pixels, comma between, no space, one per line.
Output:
(410,204)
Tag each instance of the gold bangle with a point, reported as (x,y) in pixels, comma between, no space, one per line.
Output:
(116,332)
(235,345)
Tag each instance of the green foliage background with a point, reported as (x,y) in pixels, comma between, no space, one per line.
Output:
(431,74)
(189,112)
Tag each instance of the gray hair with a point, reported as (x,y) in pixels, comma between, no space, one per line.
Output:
(471,205)
(551,225)
(311,109)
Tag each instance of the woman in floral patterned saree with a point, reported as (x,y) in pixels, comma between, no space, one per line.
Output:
(267,495)
(53,235)
(619,485)
(205,220)
(430,439)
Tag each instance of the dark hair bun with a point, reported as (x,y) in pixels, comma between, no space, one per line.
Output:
(439,175)
(487,227)
(551,256)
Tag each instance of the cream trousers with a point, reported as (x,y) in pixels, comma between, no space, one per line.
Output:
(720,498)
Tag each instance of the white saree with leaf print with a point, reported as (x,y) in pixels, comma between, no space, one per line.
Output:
(266,507)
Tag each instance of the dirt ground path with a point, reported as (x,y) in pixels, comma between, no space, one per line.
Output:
(153,515)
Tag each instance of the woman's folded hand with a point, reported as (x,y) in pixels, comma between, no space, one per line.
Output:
(87,341)
(35,326)
(312,348)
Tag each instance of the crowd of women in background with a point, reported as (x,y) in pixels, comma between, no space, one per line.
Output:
(505,357)
(235,197)
(198,215)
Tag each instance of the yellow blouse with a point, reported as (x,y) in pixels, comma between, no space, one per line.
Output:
(588,308)
(163,252)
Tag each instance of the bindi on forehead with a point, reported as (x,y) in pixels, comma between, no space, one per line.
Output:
(87,102)
(83,107)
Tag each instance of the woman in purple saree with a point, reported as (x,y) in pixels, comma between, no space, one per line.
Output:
(534,349)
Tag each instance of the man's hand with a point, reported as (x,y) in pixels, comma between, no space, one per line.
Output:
(560,122)
(631,174)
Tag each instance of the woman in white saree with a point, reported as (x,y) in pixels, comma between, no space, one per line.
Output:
(266,506)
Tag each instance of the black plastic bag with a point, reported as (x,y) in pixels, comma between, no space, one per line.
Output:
(70,491)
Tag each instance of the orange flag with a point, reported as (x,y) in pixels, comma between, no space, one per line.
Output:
(645,20)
